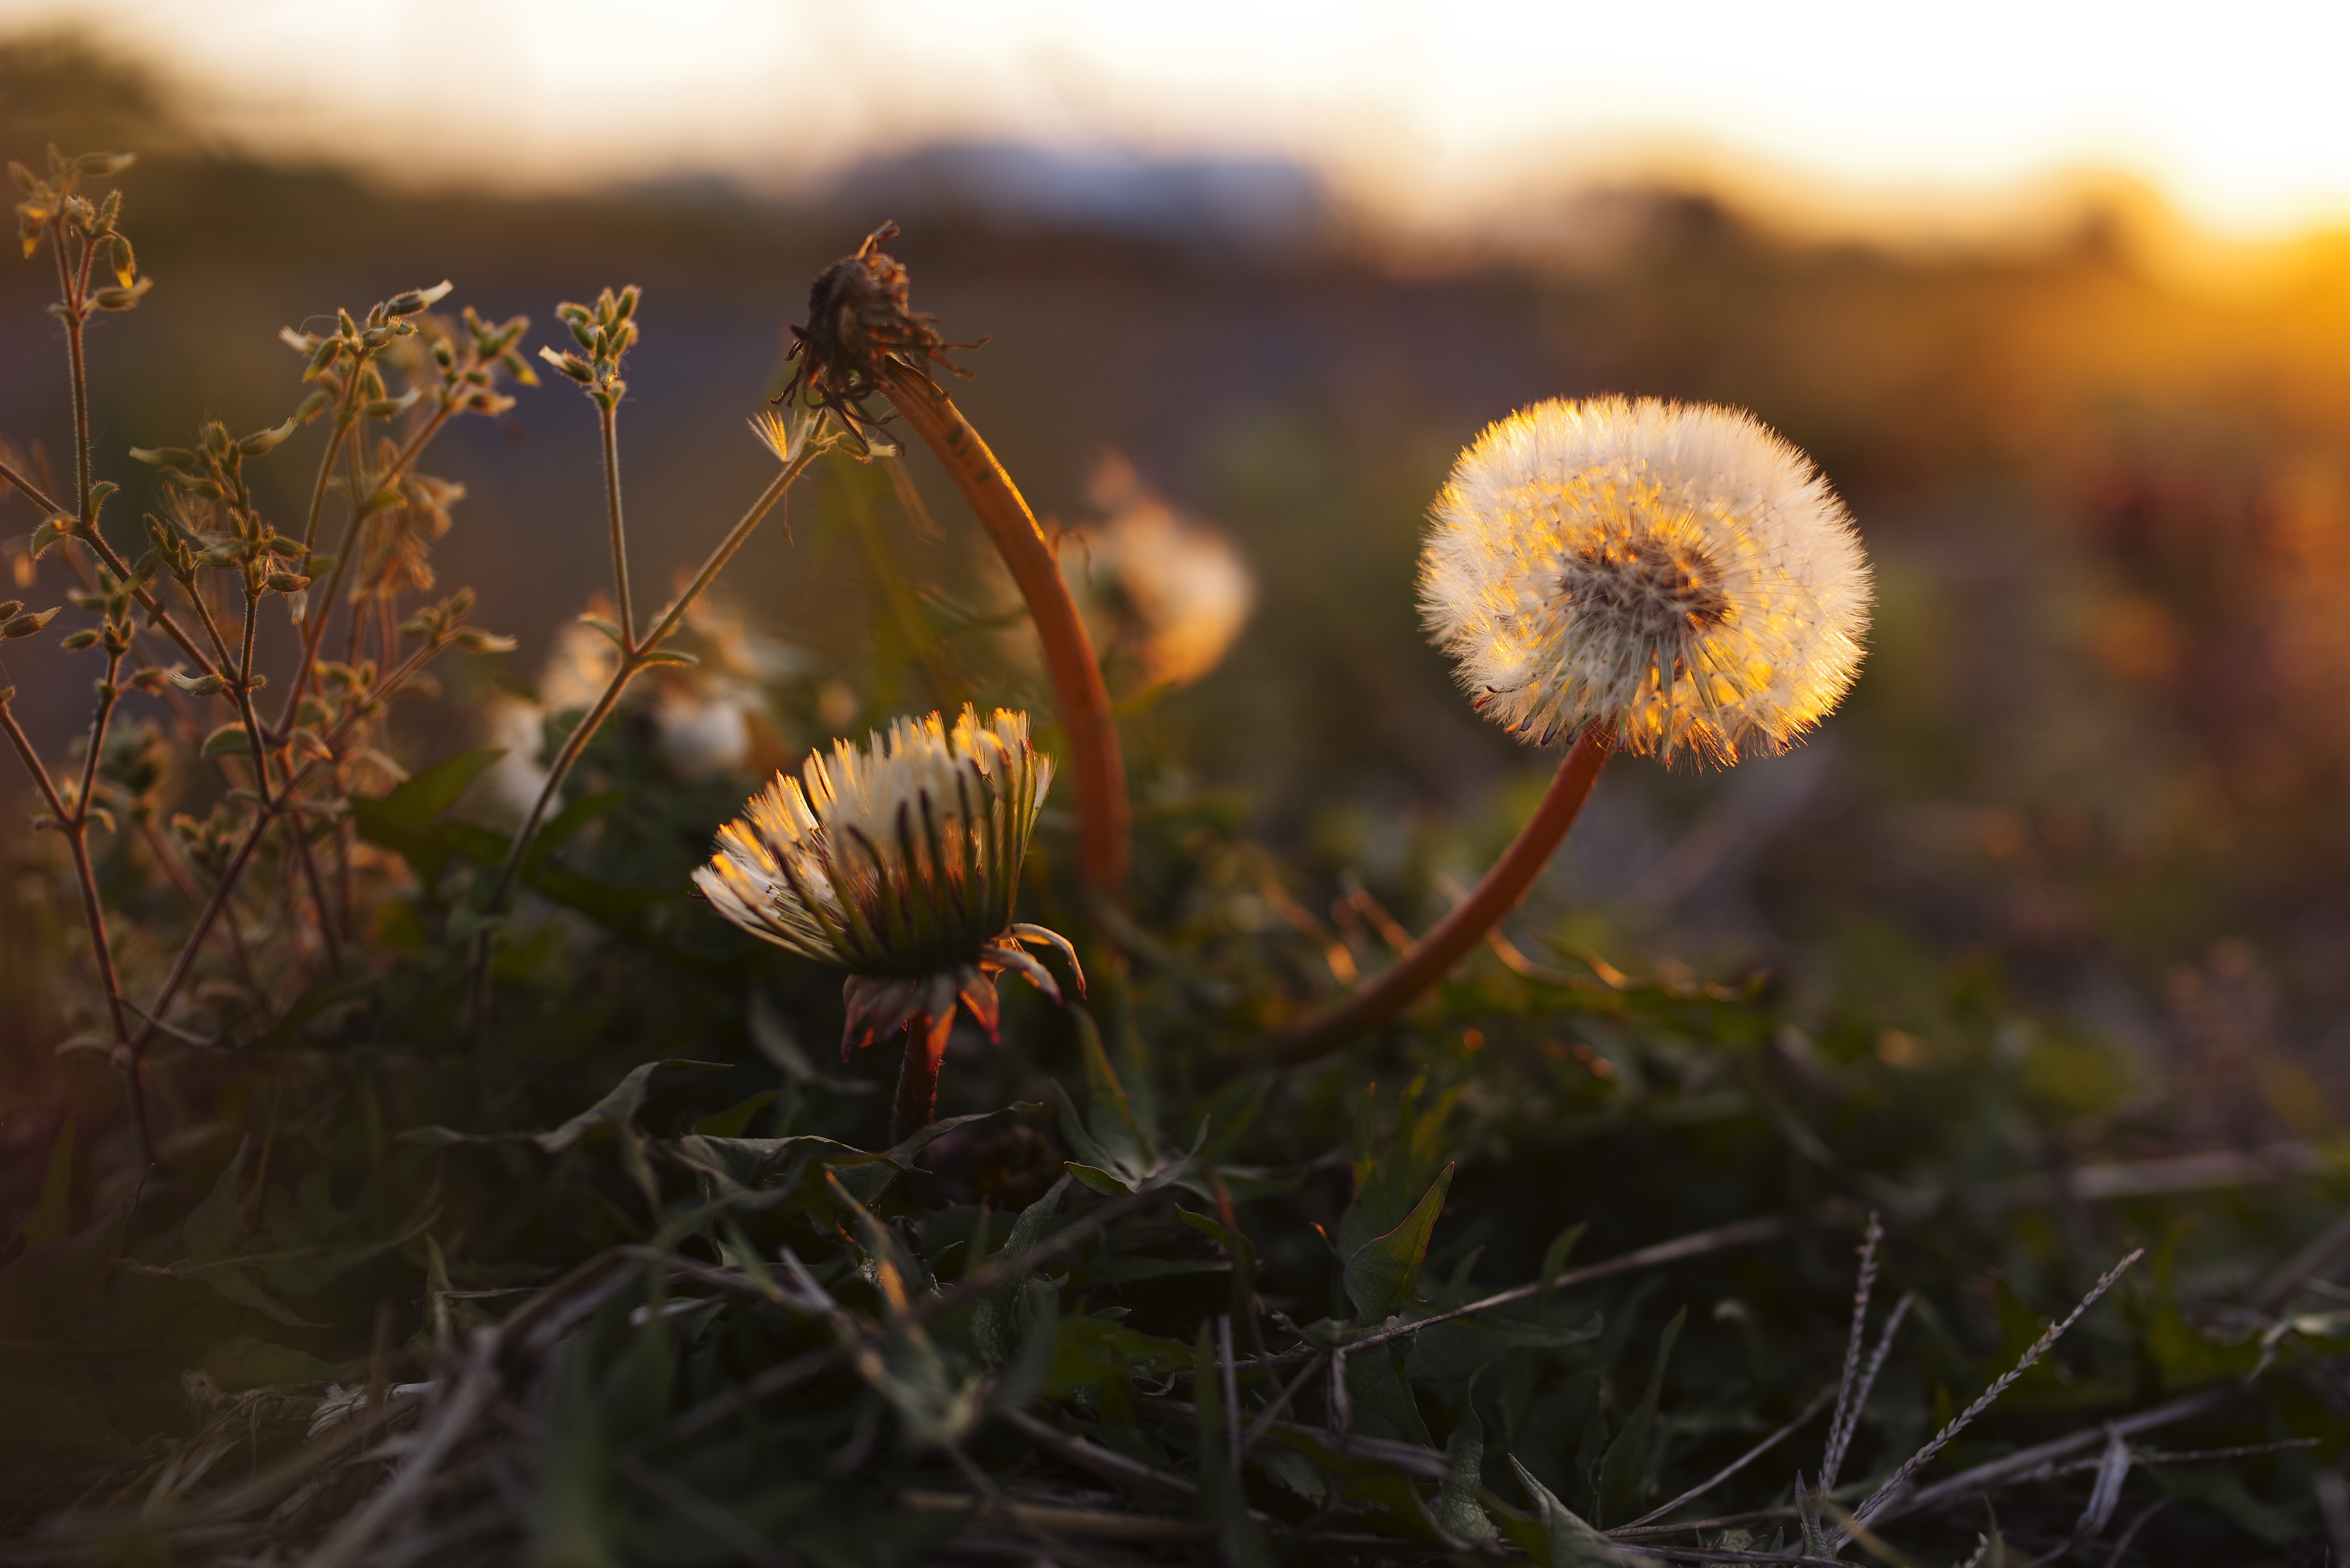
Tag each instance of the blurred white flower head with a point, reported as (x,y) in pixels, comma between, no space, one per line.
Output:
(1176,591)
(898,861)
(502,794)
(579,667)
(1676,572)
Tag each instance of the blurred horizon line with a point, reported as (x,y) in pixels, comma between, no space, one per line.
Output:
(1556,197)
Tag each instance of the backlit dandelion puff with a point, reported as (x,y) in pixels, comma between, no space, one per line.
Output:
(898,861)
(1647,576)
(1678,572)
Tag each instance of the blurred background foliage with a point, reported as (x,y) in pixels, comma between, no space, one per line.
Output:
(2063,880)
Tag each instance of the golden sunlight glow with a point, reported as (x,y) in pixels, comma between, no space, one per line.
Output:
(1430,111)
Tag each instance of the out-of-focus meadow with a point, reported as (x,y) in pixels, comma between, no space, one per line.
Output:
(2100,742)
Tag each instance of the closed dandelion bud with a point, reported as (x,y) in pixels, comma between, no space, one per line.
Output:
(898,861)
(26,623)
(126,264)
(1676,573)
(79,640)
(9,609)
(285,582)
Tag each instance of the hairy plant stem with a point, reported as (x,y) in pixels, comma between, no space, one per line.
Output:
(73,287)
(1105,820)
(608,422)
(314,630)
(270,808)
(1385,993)
(157,615)
(633,661)
(344,423)
(71,290)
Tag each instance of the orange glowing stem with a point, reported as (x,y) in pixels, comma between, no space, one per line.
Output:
(1387,993)
(1105,822)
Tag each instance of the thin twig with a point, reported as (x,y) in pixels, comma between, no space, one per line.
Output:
(1698,1245)
(1734,1466)
(1272,1413)
(2023,1460)
(1104,1462)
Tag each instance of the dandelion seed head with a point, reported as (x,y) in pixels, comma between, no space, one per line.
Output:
(1676,572)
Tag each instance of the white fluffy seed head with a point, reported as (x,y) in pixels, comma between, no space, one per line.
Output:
(899,858)
(1676,572)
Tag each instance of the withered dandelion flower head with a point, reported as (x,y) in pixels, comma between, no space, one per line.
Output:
(898,861)
(859,322)
(1676,572)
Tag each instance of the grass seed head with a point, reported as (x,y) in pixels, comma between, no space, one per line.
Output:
(1676,571)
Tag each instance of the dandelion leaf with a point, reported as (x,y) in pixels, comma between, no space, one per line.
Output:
(1380,1275)
(1457,1509)
(1623,1472)
(1567,1540)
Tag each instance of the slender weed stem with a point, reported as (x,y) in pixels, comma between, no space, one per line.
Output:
(1105,824)
(633,661)
(1388,991)
(608,422)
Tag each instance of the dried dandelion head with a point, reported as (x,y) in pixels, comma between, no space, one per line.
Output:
(860,322)
(898,861)
(1676,572)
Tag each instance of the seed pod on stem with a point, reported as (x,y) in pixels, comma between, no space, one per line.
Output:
(1670,579)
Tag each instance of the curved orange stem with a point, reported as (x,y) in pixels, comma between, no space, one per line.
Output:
(1385,993)
(1105,821)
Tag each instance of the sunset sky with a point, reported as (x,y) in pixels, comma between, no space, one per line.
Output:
(1428,110)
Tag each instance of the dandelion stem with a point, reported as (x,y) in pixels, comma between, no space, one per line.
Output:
(1385,993)
(918,1079)
(1104,818)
